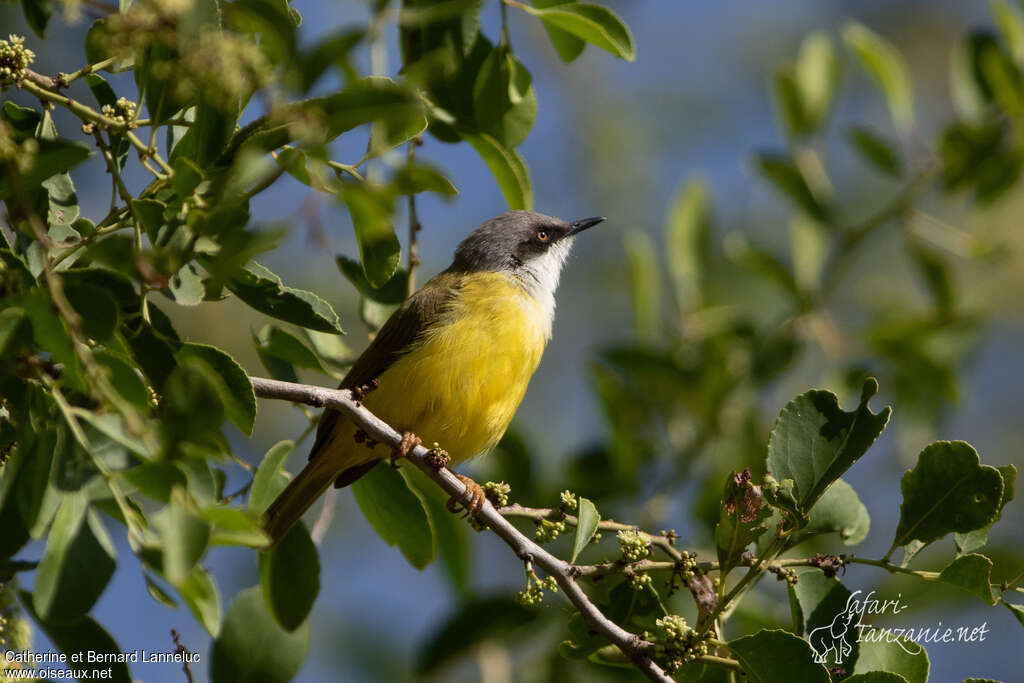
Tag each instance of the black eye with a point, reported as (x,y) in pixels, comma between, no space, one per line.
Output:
(542,236)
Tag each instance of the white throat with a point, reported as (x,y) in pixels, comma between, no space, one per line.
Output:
(539,276)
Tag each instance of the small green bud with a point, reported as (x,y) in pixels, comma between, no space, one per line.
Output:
(497,493)
(15,59)
(635,545)
(569,501)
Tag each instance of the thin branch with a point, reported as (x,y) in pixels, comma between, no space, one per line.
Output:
(632,645)
(414,223)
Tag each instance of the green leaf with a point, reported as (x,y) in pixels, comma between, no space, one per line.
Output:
(82,635)
(97,47)
(973,540)
(396,513)
(876,677)
(971,573)
(775,656)
(377,303)
(235,388)
(234,526)
(1011,26)
(840,511)
(199,592)
(77,565)
(507,167)
(52,158)
(901,656)
(883,62)
(159,594)
(37,14)
(814,441)
(97,308)
(253,648)
(816,602)
(741,518)
(504,101)
(450,532)
(270,478)
(281,352)
(645,285)
(185,536)
(474,622)
(687,233)
(1016,610)
(372,212)
(186,286)
(595,24)
(784,174)
(264,291)
(816,74)
(586,527)
(948,490)
(290,577)
(272,20)
(568,46)
(416,178)
(874,150)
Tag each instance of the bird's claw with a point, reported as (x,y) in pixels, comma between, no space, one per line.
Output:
(409,442)
(471,500)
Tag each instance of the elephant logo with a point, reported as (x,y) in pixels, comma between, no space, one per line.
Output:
(833,639)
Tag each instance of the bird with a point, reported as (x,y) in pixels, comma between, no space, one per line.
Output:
(451,364)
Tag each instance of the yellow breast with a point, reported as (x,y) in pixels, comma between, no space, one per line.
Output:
(462,383)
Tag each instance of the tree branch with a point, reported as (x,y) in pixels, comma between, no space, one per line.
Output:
(631,645)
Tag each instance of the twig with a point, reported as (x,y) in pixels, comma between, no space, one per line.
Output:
(632,645)
(180,649)
(414,223)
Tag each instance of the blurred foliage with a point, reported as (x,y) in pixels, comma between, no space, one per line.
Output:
(109,419)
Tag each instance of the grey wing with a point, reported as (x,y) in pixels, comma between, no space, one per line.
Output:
(393,340)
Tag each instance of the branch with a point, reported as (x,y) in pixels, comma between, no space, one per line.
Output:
(631,645)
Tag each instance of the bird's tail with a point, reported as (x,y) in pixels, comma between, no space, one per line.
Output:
(315,478)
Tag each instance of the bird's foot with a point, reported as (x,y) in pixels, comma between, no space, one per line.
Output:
(409,442)
(471,500)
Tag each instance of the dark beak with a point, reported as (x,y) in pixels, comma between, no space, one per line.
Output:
(584,223)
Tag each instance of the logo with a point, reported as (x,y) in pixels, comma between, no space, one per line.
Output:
(833,642)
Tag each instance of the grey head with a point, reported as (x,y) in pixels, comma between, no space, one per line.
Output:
(527,246)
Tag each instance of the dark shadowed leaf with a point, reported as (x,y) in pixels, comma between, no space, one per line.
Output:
(814,441)
(875,150)
(253,648)
(973,540)
(290,577)
(53,157)
(372,211)
(396,513)
(78,562)
(234,387)
(948,490)
(781,172)
(778,657)
(82,636)
(264,291)
(507,167)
